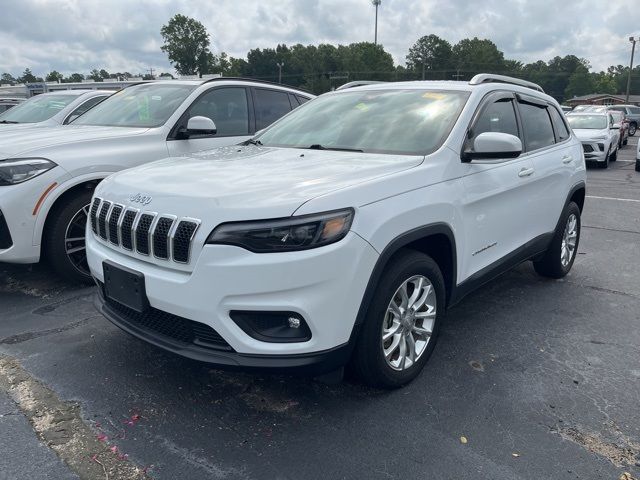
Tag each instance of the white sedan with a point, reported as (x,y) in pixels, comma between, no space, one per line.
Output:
(51,109)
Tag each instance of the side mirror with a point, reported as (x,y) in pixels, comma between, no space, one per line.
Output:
(199,126)
(493,145)
(616,126)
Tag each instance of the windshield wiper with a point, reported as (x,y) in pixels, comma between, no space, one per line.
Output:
(8,121)
(317,146)
(251,141)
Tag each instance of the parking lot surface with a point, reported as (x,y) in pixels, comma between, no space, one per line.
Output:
(531,379)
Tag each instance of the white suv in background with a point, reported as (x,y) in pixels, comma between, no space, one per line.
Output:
(599,135)
(47,177)
(50,109)
(343,231)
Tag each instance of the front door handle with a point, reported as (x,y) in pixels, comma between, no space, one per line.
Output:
(526,172)
(567,159)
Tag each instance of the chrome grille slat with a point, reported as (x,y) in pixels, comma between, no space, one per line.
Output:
(163,236)
(102,219)
(142,230)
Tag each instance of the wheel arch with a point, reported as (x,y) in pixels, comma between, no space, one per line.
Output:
(58,196)
(436,240)
(577,194)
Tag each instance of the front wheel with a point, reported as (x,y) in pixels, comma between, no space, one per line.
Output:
(64,238)
(614,156)
(559,257)
(401,325)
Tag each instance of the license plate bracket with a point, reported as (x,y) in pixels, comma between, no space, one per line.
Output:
(125,286)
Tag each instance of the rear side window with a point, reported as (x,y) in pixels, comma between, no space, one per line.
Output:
(498,116)
(562,133)
(634,110)
(538,132)
(270,105)
(301,99)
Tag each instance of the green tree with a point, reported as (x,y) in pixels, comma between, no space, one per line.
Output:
(186,43)
(473,55)
(95,75)
(104,74)
(430,54)
(74,78)
(580,83)
(7,78)
(27,76)
(54,76)
(165,75)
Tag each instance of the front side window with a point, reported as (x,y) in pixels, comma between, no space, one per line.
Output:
(146,105)
(37,109)
(538,132)
(406,122)
(227,107)
(498,116)
(270,105)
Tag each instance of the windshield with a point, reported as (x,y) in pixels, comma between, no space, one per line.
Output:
(409,122)
(598,122)
(37,109)
(146,105)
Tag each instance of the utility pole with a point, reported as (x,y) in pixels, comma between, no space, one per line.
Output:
(457,75)
(633,50)
(376,3)
(151,72)
(280,65)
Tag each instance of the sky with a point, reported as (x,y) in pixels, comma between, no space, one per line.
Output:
(124,35)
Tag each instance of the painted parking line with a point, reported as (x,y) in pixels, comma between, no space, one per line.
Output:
(611,198)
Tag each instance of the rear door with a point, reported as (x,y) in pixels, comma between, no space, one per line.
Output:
(228,107)
(497,202)
(270,105)
(554,160)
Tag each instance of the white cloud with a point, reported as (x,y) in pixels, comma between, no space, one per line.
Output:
(120,35)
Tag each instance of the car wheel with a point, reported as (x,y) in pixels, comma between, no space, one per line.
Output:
(626,141)
(614,156)
(637,165)
(64,238)
(605,164)
(632,129)
(559,257)
(401,325)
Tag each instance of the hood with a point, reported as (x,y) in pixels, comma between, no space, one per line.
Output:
(18,141)
(243,183)
(589,133)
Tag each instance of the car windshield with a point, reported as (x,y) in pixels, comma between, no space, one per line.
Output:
(588,121)
(145,105)
(37,109)
(408,122)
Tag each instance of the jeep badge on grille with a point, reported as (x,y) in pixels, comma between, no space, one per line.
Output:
(139,198)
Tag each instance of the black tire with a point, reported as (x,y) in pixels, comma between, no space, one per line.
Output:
(368,360)
(605,164)
(550,265)
(626,141)
(637,165)
(632,129)
(614,156)
(54,235)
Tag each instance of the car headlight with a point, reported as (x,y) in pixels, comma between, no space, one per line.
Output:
(18,170)
(285,234)
(595,139)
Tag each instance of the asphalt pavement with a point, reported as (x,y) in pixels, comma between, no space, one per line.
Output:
(531,379)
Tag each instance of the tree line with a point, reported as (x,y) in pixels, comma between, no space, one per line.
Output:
(319,68)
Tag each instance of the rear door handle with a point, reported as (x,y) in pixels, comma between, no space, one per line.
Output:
(526,172)
(567,159)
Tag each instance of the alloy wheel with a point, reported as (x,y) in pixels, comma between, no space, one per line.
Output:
(408,323)
(75,240)
(569,239)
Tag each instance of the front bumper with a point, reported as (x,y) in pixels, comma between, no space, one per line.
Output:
(16,204)
(325,286)
(594,151)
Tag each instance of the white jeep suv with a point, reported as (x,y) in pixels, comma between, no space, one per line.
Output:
(47,176)
(343,231)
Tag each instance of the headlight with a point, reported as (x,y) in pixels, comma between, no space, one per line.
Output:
(18,170)
(595,139)
(285,234)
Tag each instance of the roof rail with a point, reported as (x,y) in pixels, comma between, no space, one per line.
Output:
(358,83)
(491,78)
(255,80)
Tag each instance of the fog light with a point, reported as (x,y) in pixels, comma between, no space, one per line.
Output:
(294,322)
(273,327)
(601,147)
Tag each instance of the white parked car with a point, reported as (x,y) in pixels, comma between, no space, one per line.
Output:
(47,177)
(638,158)
(343,231)
(50,109)
(599,135)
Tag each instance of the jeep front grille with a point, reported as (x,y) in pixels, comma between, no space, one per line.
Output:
(166,237)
